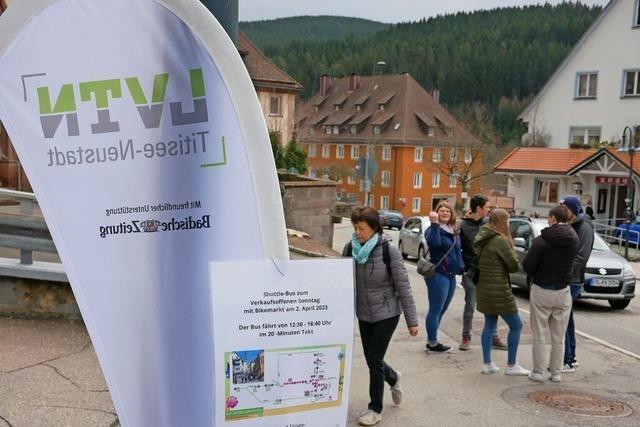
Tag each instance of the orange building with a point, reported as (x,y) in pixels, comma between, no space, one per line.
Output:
(423,154)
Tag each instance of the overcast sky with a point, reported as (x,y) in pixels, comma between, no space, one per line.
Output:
(377,10)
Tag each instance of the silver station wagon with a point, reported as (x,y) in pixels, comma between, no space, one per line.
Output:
(609,276)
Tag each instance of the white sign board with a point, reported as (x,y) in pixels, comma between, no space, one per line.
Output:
(284,342)
(143,139)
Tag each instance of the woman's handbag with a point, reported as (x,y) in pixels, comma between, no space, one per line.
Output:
(426,268)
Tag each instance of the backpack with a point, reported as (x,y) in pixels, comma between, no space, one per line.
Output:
(386,258)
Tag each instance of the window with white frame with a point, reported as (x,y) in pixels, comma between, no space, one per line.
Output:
(336,130)
(326,151)
(417,180)
(386,153)
(415,204)
(584,135)
(312,150)
(355,152)
(274,106)
(453,181)
(586,85)
(384,202)
(437,155)
(450,132)
(371,151)
(631,83)
(468,155)
(340,152)
(312,130)
(376,130)
(327,130)
(353,129)
(435,180)
(636,14)
(453,155)
(370,200)
(351,180)
(546,192)
(385,179)
(417,154)
(431,131)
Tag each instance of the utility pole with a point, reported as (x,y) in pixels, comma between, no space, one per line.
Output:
(226,12)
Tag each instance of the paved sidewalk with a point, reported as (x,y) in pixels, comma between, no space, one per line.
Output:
(49,376)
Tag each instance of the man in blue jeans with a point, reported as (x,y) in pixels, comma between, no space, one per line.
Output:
(582,226)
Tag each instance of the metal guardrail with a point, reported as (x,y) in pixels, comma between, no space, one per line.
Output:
(610,231)
(28,233)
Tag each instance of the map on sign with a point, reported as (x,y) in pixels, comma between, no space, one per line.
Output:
(261,383)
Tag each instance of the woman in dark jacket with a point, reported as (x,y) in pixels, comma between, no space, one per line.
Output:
(382,293)
(444,249)
(496,259)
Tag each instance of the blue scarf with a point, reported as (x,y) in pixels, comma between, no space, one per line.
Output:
(361,252)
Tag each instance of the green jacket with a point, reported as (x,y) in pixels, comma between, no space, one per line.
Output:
(496,260)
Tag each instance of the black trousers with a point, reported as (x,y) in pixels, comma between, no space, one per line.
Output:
(375,340)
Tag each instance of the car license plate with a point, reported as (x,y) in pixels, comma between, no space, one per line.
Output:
(605,283)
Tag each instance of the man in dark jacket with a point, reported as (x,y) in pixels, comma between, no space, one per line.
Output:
(549,262)
(469,227)
(583,228)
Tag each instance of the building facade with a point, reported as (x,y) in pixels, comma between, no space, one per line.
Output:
(277,91)
(421,152)
(585,105)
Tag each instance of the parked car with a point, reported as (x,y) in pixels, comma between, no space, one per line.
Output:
(411,241)
(609,276)
(391,219)
(633,235)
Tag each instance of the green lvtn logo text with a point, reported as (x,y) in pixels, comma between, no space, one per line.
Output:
(101,91)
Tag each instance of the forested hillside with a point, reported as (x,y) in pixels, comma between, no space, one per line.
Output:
(486,64)
(279,32)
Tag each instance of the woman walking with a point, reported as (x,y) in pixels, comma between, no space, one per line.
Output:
(382,293)
(444,249)
(496,259)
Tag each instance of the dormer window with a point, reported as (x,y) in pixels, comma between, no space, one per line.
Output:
(431,131)
(381,107)
(312,130)
(327,130)
(336,130)
(376,130)
(358,108)
(337,108)
(353,129)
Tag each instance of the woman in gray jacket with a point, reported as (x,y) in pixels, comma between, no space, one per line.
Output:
(382,293)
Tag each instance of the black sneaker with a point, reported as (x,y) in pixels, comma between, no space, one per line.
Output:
(438,348)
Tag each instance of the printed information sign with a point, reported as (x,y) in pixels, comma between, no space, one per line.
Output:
(284,343)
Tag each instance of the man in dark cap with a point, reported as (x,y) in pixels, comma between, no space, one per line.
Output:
(583,228)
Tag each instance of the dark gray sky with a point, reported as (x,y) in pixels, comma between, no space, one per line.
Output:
(377,10)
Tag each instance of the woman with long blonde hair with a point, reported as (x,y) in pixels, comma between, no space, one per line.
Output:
(496,259)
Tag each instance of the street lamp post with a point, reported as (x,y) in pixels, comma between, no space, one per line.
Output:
(629,144)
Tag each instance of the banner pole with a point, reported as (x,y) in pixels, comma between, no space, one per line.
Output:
(226,12)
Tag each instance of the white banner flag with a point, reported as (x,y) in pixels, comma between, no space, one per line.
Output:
(143,139)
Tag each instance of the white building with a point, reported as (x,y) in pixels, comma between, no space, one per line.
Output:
(592,96)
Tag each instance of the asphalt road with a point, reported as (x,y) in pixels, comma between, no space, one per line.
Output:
(594,319)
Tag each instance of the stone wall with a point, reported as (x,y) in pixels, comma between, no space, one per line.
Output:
(309,205)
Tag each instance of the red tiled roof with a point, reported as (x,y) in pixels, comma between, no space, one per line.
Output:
(263,72)
(403,99)
(625,159)
(543,160)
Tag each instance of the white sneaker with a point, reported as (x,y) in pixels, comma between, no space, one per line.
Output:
(567,368)
(396,390)
(489,368)
(536,376)
(516,370)
(556,378)
(370,418)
